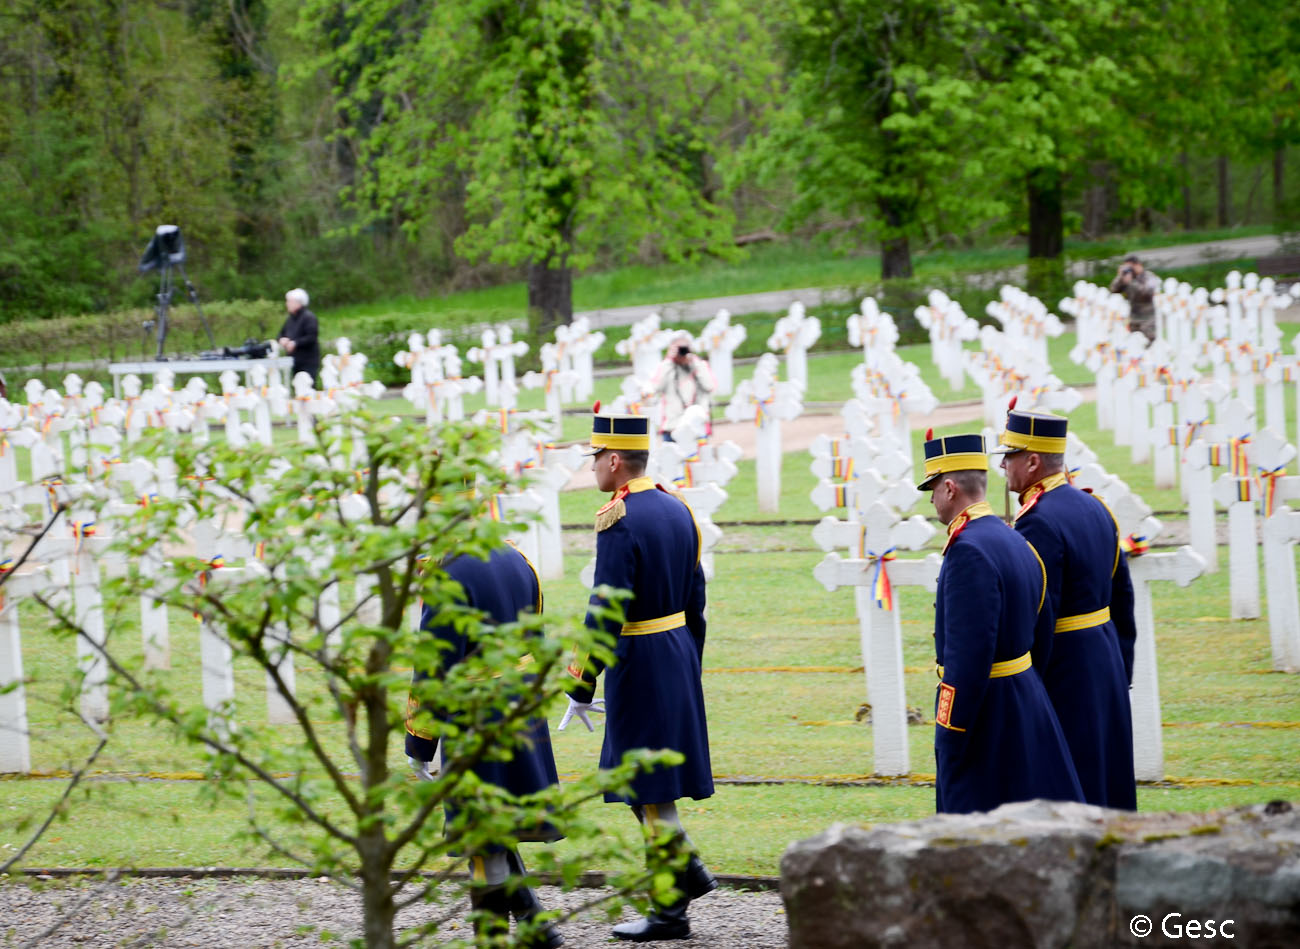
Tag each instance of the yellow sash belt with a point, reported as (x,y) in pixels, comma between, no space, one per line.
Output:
(644,627)
(1083,620)
(1000,670)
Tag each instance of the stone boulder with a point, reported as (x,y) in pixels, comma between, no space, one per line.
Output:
(1046,874)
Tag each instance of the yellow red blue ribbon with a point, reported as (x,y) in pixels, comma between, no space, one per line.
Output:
(882,590)
(1268,480)
(1135,545)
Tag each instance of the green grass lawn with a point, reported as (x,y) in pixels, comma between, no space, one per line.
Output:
(768,721)
(761,268)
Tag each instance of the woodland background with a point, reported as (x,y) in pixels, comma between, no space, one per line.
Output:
(393,147)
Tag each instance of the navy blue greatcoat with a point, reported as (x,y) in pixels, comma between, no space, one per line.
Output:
(502,587)
(654,696)
(996,738)
(1086,664)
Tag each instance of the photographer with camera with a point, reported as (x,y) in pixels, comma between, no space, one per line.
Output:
(683,379)
(299,336)
(1140,287)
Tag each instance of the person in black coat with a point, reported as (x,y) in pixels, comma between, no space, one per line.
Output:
(647,542)
(300,334)
(502,587)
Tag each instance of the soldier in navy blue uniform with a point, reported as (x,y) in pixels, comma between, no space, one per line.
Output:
(996,738)
(647,542)
(1085,654)
(503,587)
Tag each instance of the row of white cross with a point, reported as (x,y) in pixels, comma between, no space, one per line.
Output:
(868,474)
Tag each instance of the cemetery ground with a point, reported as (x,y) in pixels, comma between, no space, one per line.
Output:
(790,735)
(790,738)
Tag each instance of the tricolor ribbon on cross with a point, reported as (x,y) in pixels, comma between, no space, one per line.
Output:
(1237,459)
(200,481)
(5,566)
(80,531)
(50,485)
(882,591)
(758,407)
(216,563)
(1268,482)
(1135,545)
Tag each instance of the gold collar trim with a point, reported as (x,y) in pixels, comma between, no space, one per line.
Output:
(976,510)
(1051,482)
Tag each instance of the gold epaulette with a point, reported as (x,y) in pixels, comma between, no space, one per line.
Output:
(610,514)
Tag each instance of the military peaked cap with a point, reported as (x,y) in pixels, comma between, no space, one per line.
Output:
(1032,431)
(952,453)
(628,432)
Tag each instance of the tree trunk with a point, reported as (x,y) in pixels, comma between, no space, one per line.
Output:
(895,249)
(550,295)
(378,913)
(1225,188)
(374,850)
(1046,217)
(1187,191)
(1046,230)
(1095,201)
(1279,186)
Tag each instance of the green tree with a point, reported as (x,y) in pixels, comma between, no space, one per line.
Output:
(872,125)
(568,131)
(323,791)
(1050,77)
(103,129)
(1259,73)
(247,109)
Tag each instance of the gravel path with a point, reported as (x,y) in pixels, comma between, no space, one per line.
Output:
(246,913)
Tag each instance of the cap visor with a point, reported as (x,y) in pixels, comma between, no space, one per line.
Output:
(593,450)
(928,483)
(1005,450)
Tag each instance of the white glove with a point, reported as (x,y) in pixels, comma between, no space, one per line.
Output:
(580,710)
(424,770)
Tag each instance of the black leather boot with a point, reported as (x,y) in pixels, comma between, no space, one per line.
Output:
(695,879)
(667,922)
(525,907)
(495,909)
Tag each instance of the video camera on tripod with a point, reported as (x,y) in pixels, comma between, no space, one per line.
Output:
(167,250)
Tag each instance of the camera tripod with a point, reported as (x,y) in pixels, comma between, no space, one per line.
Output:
(166,287)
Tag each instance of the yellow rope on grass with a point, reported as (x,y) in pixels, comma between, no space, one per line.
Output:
(914,779)
(1231,724)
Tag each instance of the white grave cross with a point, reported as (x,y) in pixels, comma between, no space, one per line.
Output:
(1182,566)
(879,535)
(1271,456)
